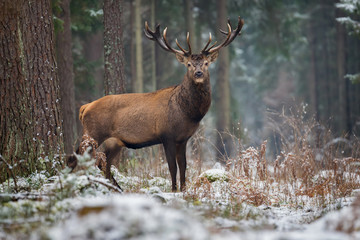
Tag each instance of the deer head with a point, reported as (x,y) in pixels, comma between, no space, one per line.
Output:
(197,64)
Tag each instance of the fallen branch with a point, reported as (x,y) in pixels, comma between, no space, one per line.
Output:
(110,186)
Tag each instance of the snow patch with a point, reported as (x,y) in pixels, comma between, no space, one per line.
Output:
(214,175)
(128,217)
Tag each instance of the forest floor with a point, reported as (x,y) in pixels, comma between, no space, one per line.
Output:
(247,199)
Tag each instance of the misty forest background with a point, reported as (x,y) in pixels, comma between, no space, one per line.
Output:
(298,58)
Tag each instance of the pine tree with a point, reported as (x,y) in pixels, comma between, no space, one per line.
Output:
(30,118)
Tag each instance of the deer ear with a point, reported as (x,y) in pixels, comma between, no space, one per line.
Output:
(212,56)
(181,58)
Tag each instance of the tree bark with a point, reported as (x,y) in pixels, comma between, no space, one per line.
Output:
(222,90)
(66,77)
(188,13)
(132,46)
(114,81)
(138,85)
(31,129)
(152,47)
(93,51)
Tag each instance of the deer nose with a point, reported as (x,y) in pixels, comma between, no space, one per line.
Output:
(198,74)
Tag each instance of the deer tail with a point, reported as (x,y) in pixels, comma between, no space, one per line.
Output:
(82,111)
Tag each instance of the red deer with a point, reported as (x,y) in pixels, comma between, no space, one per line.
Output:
(169,116)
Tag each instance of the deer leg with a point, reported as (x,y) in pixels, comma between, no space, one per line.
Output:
(181,161)
(170,152)
(112,148)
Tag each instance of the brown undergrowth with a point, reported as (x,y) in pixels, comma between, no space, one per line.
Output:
(313,166)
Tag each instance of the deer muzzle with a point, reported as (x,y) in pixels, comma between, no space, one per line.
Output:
(199,74)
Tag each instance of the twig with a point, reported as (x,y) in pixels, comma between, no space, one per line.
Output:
(11,172)
(91,179)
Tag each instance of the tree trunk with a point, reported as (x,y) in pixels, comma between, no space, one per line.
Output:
(152,48)
(114,81)
(344,113)
(313,76)
(325,80)
(93,51)
(31,129)
(132,46)
(66,77)
(222,90)
(138,80)
(188,13)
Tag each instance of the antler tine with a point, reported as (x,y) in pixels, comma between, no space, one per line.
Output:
(183,50)
(155,36)
(186,53)
(188,42)
(213,49)
(211,46)
(222,31)
(161,39)
(230,36)
(168,45)
(207,44)
(236,32)
(147,31)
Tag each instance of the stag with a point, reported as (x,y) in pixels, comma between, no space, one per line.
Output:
(168,116)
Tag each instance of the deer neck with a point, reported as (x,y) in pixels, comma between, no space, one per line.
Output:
(194,98)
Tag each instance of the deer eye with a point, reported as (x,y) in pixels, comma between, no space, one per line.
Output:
(189,64)
(206,63)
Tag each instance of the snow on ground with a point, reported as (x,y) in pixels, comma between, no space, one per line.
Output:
(144,217)
(82,206)
(128,217)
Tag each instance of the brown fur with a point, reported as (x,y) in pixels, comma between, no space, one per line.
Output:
(169,116)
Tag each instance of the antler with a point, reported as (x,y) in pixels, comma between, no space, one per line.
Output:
(162,41)
(231,35)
